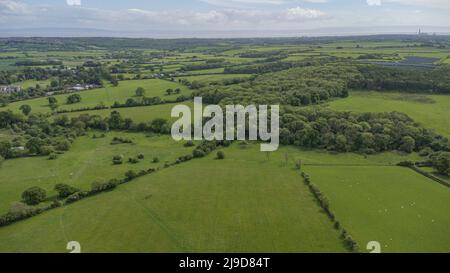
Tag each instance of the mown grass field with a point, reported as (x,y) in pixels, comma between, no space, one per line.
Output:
(429,110)
(245,203)
(404,211)
(107,95)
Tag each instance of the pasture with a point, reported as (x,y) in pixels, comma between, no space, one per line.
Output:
(89,160)
(244,203)
(395,206)
(107,95)
(429,110)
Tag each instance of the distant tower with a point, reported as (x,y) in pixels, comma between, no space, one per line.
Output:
(420,31)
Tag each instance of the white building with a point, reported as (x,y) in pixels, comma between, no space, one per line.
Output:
(9,89)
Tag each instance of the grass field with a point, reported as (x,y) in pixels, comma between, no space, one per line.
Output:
(138,114)
(88,160)
(395,206)
(429,110)
(107,95)
(244,203)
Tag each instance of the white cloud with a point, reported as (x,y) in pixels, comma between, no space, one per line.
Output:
(301,13)
(13,7)
(239,3)
(374,2)
(442,4)
(73,2)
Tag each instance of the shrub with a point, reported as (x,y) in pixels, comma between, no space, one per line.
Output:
(155,160)
(133,160)
(118,159)
(103,186)
(18,211)
(63,145)
(53,156)
(140,156)
(350,243)
(65,190)
(220,155)
(197,153)
(77,197)
(34,196)
(130,175)
(46,150)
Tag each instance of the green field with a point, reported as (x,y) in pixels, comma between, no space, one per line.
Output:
(429,110)
(251,201)
(245,203)
(395,206)
(138,114)
(89,160)
(107,95)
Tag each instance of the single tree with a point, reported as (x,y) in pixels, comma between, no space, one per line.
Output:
(34,196)
(26,109)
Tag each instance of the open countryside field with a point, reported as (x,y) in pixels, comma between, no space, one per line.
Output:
(194,207)
(138,114)
(249,201)
(89,160)
(429,110)
(107,95)
(392,205)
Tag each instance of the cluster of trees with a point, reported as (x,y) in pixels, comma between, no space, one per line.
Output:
(374,77)
(259,68)
(35,135)
(61,78)
(441,162)
(356,132)
(297,86)
(38,62)
(205,65)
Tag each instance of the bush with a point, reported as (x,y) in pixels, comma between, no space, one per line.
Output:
(18,211)
(350,243)
(133,160)
(53,156)
(46,150)
(65,190)
(197,153)
(140,156)
(220,155)
(77,197)
(103,186)
(117,159)
(34,196)
(130,175)
(155,160)
(63,146)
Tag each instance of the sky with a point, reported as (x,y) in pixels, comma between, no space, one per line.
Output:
(217,18)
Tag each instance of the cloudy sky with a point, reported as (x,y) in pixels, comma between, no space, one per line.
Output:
(186,18)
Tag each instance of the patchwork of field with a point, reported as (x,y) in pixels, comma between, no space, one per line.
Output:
(245,203)
(249,202)
(429,110)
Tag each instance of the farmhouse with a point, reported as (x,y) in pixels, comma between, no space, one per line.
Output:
(9,89)
(82,87)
